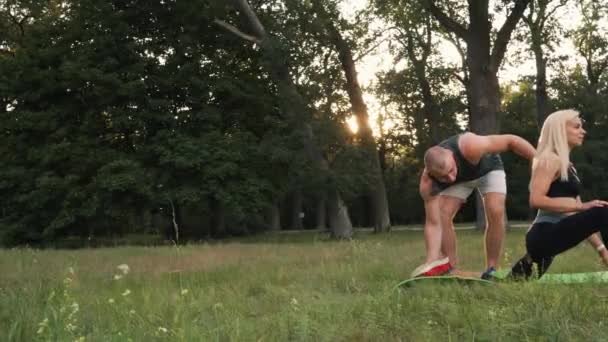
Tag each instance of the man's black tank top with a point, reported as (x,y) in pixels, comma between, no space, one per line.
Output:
(467,171)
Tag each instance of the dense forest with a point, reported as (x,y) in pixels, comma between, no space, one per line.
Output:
(203,119)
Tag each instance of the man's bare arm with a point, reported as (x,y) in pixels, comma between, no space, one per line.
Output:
(474,146)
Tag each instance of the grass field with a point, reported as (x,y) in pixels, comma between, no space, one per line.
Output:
(280,287)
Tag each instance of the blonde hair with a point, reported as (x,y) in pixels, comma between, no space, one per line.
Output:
(553,141)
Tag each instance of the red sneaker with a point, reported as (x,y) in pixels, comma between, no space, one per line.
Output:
(433,268)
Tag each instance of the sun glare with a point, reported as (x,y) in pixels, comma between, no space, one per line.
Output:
(351,121)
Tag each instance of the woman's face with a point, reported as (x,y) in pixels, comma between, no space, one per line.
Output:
(575,132)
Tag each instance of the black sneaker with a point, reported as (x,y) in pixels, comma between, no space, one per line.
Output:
(522,269)
(490,274)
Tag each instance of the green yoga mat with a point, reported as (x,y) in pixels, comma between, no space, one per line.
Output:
(549,278)
(565,278)
(574,278)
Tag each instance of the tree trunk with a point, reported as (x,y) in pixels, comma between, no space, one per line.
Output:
(339,221)
(321,213)
(273,217)
(536,19)
(382,221)
(174,221)
(485,101)
(430,107)
(377,190)
(296,210)
(542,99)
(484,92)
(419,61)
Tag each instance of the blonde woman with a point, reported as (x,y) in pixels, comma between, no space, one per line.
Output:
(562,221)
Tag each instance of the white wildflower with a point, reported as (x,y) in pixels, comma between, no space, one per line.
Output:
(184,292)
(111,301)
(42,325)
(492,314)
(124,268)
(163,330)
(117,277)
(126,293)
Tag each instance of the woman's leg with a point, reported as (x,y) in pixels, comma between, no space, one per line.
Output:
(547,240)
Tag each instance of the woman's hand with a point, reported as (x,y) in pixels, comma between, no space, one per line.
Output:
(592,204)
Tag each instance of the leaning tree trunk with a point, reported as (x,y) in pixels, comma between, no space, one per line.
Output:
(377,189)
(338,216)
(321,212)
(293,105)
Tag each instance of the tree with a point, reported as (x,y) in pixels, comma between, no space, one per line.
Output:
(293,106)
(327,18)
(484,56)
(543,27)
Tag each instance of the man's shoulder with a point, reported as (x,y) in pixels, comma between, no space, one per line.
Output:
(468,139)
(470,145)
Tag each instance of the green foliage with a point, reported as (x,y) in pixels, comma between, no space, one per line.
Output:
(113,112)
(519,117)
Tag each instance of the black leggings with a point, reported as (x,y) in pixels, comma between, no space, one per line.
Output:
(546,240)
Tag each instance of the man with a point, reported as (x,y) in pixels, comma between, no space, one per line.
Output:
(453,169)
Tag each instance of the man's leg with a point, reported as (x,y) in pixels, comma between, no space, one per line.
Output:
(449,207)
(435,261)
(494,204)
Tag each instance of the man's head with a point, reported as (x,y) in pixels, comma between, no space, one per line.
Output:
(440,164)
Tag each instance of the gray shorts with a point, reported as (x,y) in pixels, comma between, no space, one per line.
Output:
(493,181)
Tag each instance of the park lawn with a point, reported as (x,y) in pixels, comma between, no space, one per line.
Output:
(288,286)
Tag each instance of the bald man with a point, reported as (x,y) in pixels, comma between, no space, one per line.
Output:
(452,170)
